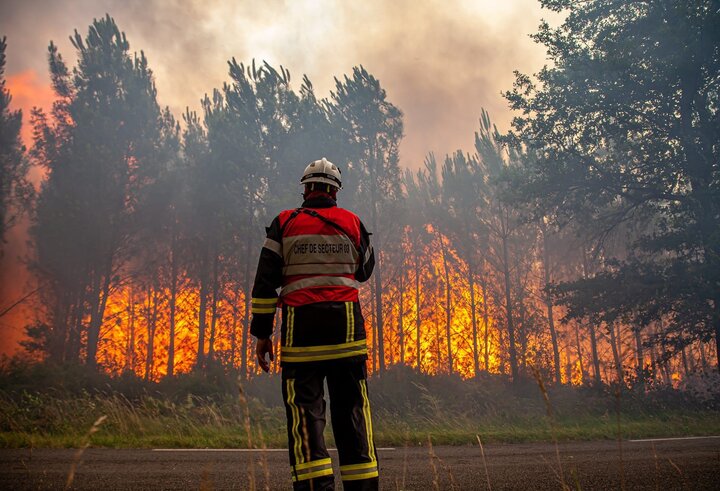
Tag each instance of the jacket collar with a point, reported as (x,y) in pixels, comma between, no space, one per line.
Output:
(319,202)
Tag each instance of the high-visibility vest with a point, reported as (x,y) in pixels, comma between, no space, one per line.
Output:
(320,251)
(316,257)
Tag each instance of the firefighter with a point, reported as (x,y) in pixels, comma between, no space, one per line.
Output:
(317,255)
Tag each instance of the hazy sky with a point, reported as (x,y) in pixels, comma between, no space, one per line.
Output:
(439,61)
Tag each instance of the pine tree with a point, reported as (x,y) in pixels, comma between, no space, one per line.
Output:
(15,190)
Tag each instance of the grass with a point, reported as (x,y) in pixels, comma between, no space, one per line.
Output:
(46,421)
(42,407)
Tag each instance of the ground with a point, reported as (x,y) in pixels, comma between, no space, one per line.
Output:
(657,464)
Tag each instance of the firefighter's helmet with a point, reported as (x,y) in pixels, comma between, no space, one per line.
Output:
(322,171)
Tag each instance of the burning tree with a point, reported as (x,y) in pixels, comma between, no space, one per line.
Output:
(625,127)
(99,152)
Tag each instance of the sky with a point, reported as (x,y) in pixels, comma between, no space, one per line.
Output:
(440,62)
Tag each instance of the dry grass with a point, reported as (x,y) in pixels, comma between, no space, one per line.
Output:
(77,458)
(553,428)
(484,461)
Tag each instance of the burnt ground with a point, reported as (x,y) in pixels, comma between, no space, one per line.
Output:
(668,464)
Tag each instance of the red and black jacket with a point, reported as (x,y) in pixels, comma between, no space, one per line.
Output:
(316,255)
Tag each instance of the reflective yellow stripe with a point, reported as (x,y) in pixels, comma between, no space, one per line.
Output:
(353,472)
(312,469)
(368,422)
(356,477)
(290,326)
(314,463)
(350,314)
(267,310)
(310,475)
(263,305)
(295,423)
(327,352)
(265,301)
(354,467)
(325,347)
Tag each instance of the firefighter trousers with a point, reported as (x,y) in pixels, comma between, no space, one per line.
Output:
(303,394)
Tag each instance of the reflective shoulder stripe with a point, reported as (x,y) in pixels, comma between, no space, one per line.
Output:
(368,251)
(326,352)
(319,269)
(319,281)
(274,246)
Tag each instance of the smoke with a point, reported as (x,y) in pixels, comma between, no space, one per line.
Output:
(440,62)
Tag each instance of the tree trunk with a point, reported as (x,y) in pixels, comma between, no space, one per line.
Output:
(549,306)
(378,339)
(486,327)
(717,331)
(579,352)
(151,325)
(448,300)
(373,314)
(173,301)
(640,355)
(233,330)
(686,365)
(418,321)
(401,316)
(213,307)
(247,290)
(130,354)
(202,321)
(703,357)
(99,301)
(616,353)
(591,328)
(594,351)
(473,320)
(522,326)
(378,291)
(508,312)
(76,317)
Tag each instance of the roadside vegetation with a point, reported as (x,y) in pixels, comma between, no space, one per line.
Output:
(46,406)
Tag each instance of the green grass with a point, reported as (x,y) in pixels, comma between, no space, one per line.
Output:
(56,406)
(538,430)
(35,420)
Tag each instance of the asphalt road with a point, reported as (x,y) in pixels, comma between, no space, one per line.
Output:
(669,464)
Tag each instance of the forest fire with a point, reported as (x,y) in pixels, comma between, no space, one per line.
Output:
(135,334)
(145,233)
(181,216)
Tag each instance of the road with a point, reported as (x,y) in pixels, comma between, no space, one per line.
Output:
(668,464)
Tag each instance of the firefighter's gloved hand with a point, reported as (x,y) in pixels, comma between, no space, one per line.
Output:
(264,346)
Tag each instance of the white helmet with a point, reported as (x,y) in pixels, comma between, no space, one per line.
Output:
(322,171)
